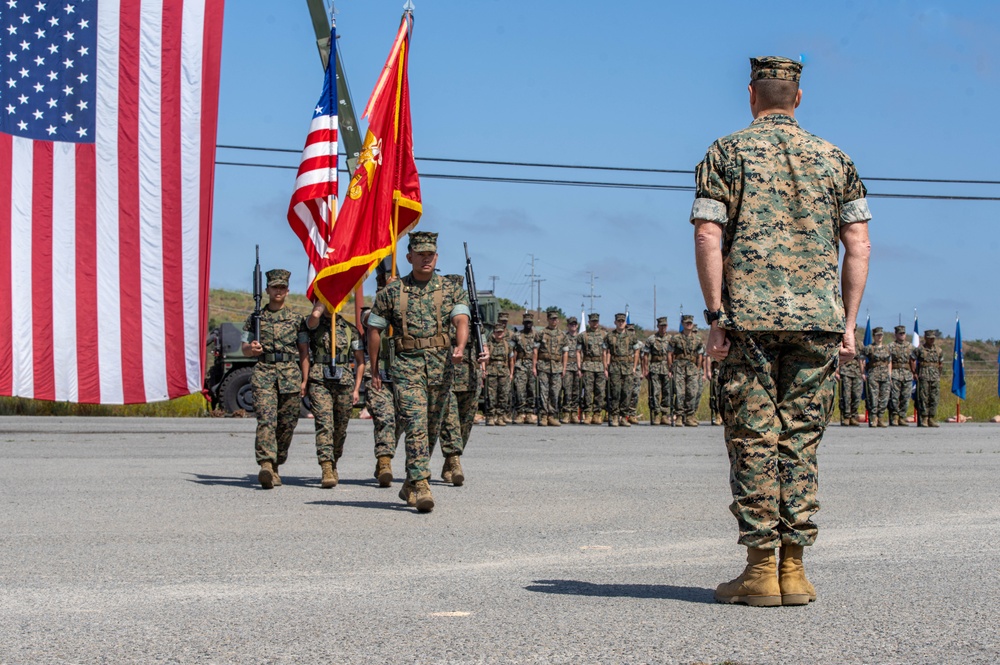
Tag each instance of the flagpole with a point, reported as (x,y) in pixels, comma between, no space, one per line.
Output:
(393,231)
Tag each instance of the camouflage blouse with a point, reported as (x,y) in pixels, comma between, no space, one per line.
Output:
(523,344)
(592,348)
(657,347)
(500,350)
(279,333)
(348,341)
(900,352)
(551,344)
(686,348)
(928,362)
(877,357)
(572,344)
(781,195)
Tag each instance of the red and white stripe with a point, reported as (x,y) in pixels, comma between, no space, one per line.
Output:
(104,247)
(315,187)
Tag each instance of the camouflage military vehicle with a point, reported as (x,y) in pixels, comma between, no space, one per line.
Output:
(227,382)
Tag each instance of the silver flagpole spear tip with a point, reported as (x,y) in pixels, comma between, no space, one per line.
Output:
(408,7)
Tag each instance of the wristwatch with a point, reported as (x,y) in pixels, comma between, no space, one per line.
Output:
(712,316)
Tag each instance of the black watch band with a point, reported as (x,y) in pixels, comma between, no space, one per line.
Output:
(712,316)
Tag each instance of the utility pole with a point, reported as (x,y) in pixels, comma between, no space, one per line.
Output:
(592,295)
(534,280)
(539,281)
(654,303)
(494,278)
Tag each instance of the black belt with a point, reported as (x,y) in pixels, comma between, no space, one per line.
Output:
(278,358)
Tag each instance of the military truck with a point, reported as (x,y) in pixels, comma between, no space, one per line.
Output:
(227,382)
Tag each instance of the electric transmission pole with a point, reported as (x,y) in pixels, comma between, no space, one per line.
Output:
(592,294)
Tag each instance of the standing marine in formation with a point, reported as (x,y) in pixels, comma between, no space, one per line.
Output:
(594,371)
(876,360)
(419,308)
(902,378)
(549,362)
(277,378)
(714,399)
(523,342)
(636,387)
(499,373)
(656,368)
(685,359)
(850,391)
(332,387)
(621,362)
(929,359)
(571,381)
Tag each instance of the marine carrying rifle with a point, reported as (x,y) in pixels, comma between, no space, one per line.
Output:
(257,294)
(477,318)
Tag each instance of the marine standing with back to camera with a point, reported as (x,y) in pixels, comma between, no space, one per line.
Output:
(772,205)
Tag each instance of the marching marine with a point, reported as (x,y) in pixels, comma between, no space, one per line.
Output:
(332,388)
(381,405)
(902,378)
(594,372)
(277,378)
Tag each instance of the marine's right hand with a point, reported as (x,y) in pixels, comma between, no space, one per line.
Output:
(256,349)
(376,381)
(847,347)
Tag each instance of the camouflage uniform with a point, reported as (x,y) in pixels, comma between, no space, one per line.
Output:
(277,381)
(571,382)
(330,390)
(524,380)
(498,377)
(594,381)
(902,378)
(421,369)
(460,414)
(850,388)
(780,195)
(877,358)
(686,348)
(660,382)
(713,391)
(621,370)
(928,378)
(633,398)
(552,347)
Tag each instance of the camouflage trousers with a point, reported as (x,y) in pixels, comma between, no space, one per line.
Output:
(620,387)
(420,409)
(382,408)
(549,387)
(661,388)
(277,415)
(776,398)
(331,407)
(571,392)
(459,417)
(928,395)
(498,390)
(686,388)
(524,388)
(877,399)
(633,399)
(850,395)
(594,384)
(713,396)
(899,393)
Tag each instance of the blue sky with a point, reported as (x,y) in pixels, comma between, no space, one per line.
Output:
(907,89)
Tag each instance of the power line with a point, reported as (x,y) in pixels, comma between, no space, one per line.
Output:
(615,185)
(628,169)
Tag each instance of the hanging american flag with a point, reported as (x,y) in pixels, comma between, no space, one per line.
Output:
(309,212)
(108,115)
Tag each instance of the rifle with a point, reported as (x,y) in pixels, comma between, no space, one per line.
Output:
(650,397)
(257,294)
(477,317)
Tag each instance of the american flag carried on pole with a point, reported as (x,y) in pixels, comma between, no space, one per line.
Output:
(108,113)
(312,209)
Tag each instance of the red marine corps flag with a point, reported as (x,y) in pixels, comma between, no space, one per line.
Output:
(383,197)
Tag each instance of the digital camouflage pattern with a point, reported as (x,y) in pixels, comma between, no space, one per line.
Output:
(594,381)
(571,382)
(850,388)
(713,390)
(460,414)
(661,383)
(276,385)
(498,376)
(551,346)
(524,379)
(928,379)
(901,382)
(877,358)
(781,226)
(422,376)
(621,370)
(331,400)
(687,349)
(772,436)
(381,404)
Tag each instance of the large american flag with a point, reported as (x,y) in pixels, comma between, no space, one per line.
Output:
(309,212)
(108,115)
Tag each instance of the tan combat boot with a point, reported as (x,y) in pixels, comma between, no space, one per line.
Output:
(422,497)
(654,419)
(383,470)
(275,478)
(598,419)
(844,422)
(612,421)
(574,418)
(501,421)
(902,421)
(795,588)
(691,421)
(519,419)
(541,421)
(408,494)
(757,586)
(446,469)
(564,419)
(266,475)
(328,480)
(882,421)
(634,420)
(554,422)
(666,420)
(490,421)
(855,422)
(455,474)
(625,421)
(932,423)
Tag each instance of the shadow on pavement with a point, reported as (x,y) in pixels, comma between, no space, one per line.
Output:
(250,481)
(691,594)
(382,505)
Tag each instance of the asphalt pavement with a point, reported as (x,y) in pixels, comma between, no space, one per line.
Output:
(150,541)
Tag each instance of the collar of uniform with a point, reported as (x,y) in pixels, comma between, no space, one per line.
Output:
(411,283)
(777,119)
